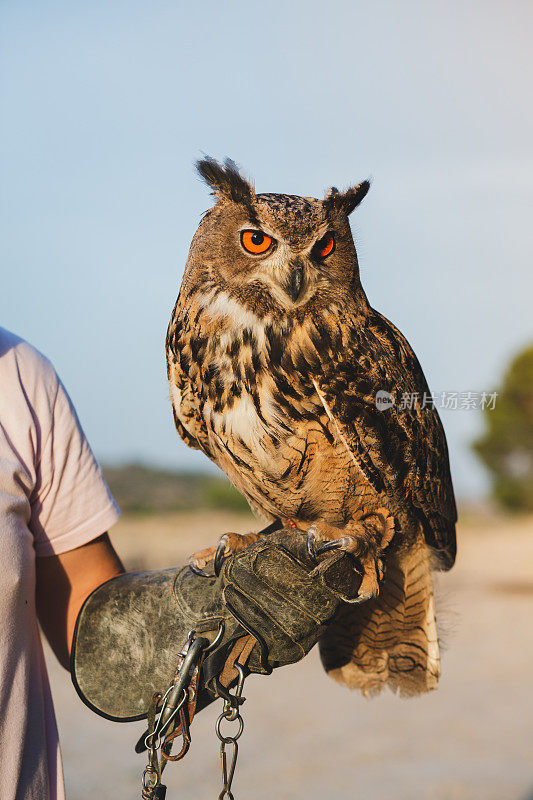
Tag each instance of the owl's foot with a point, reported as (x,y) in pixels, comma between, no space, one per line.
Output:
(365,538)
(228,544)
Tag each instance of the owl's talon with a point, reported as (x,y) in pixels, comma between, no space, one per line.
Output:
(335,544)
(198,571)
(311,544)
(332,544)
(228,544)
(361,542)
(220,555)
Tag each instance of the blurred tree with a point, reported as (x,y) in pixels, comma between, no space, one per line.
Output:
(507,446)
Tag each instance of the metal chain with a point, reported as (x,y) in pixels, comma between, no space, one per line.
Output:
(165,709)
(231,713)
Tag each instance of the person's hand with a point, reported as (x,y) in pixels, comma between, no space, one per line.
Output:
(281,595)
(268,607)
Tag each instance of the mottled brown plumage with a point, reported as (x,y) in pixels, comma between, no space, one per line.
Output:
(274,361)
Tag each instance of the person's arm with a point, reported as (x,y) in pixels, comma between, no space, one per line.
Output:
(63,583)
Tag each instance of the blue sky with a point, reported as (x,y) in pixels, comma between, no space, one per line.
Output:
(105,106)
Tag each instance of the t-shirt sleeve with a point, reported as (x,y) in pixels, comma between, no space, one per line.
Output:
(71,503)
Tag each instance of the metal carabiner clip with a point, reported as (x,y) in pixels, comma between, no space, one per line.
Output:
(175,697)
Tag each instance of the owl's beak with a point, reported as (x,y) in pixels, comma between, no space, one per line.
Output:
(296,281)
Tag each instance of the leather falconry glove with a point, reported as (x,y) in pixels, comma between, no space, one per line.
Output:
(267,608)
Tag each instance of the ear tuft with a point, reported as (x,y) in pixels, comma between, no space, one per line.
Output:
(225,180)
(348,200)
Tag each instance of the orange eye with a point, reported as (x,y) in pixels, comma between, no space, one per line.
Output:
(325,245)
(255,242)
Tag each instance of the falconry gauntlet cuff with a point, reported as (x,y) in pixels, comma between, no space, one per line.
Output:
(131,629)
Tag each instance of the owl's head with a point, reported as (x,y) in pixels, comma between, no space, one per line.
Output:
(285,248)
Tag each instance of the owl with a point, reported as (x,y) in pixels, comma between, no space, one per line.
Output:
(317,409)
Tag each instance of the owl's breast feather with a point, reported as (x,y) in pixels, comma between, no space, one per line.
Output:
(249,408)
(245,392)
(252,428)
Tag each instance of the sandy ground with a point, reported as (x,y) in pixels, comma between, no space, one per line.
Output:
(306,737)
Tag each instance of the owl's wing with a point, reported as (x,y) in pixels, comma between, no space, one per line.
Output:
(180,345)
(402,448)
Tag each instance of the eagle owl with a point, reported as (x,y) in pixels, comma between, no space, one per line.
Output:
(275,358)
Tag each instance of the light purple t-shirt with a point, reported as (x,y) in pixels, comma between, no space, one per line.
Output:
(53,498)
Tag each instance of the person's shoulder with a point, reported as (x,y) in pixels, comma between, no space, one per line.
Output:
(21,361)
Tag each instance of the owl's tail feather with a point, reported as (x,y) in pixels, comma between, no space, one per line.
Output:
(390,640)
